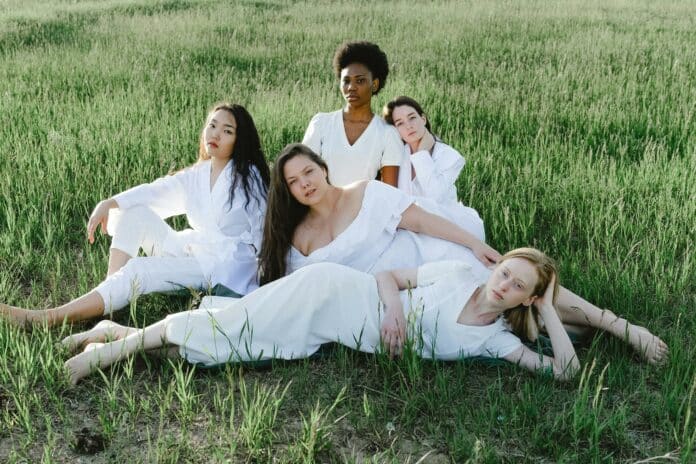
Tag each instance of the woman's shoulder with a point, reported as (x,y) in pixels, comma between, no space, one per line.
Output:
(447,152)
(322,118)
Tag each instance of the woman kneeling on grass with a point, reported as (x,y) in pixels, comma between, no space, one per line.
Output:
(455,311)
(224,198)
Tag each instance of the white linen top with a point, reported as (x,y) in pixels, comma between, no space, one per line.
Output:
(436,174)
(224,239)
(373,242)
(379,146)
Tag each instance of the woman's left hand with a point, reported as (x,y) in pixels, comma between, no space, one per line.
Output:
(486,254)
(546,300)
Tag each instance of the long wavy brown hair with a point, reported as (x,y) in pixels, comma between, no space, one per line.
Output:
(524,320)
(284,213)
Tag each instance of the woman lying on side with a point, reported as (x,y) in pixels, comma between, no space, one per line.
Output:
(224,198)
(430,167)
(454,312)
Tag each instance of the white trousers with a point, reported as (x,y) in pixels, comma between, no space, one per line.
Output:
(140,228)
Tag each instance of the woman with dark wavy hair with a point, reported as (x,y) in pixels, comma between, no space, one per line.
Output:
(368,225)
(223,197)
(355,143)
(445,310)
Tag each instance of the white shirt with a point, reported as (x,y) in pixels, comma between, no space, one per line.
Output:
(378,146)
(436,174)
(225,240)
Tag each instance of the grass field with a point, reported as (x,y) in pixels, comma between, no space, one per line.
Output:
(577,120)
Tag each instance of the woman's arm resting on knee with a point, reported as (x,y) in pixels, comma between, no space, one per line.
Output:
(100,216)
(418,220)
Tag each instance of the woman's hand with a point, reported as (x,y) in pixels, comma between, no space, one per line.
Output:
(487,255)
(393,332)
(99,216)
(427,142)
(545,301)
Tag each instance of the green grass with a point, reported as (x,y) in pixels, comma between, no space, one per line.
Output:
(577,123)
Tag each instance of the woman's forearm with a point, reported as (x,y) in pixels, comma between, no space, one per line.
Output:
(388,290)
(416,219)
(565,360)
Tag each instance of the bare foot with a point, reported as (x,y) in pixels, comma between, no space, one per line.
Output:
(104,331)
(650,347)
(95,356)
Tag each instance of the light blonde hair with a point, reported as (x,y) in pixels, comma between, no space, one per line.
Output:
(524,320)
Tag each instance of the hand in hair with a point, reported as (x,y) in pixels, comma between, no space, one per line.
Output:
(546,300)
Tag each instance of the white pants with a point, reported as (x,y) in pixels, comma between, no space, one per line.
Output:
(140,228)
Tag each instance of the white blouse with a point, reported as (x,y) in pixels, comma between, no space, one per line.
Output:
(379,146)
(224,238)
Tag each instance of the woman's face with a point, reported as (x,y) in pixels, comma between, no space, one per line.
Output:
(220,135)
(512,283)
(409,123)
(305,179)
(356,84)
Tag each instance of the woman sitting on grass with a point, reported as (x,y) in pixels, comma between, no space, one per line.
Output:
(224,198)
(455,311)
(430,167)
(355,143)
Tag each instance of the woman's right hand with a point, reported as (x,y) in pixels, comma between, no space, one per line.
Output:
(427,142)
(99,216)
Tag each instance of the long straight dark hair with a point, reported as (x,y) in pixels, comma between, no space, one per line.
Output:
(246,153)
(283,215)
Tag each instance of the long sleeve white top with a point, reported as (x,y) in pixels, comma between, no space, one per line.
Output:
(224,238)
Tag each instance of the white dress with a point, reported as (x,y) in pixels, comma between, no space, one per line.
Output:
(433,186)
(293,316)
(379,146)
(373,242)
(224,239)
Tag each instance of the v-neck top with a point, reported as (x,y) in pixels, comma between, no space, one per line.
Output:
(371,233)
(224,238)
(434,306)
(378,146)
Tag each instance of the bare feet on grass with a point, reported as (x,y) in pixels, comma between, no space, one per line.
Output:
(104,331)
(95,356)
(647,345)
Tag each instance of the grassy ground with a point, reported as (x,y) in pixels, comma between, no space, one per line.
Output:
(577,122)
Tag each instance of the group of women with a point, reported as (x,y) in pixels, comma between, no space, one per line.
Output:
(339,255)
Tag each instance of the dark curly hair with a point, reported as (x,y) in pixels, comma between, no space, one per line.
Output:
(365,53)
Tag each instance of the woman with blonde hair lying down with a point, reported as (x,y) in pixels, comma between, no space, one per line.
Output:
(455,311)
